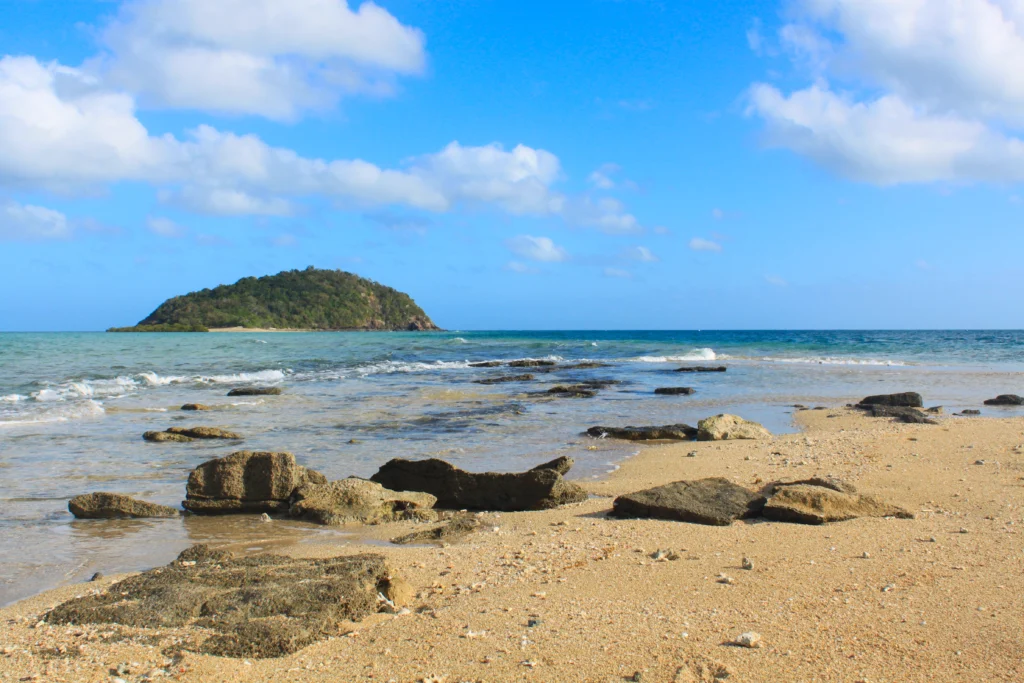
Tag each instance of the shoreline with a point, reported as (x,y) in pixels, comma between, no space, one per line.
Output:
(914,609)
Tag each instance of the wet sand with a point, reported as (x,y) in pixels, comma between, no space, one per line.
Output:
(570,595)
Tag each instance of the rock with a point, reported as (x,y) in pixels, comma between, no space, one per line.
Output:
(505,378)
(936,410)
(159,437)
(487,364)
(455,530)
(584,366)
(725,427)
(970,411)
(358,500)
(701,368)
(457,489)
(749,639)
(561,464)
(204,433)
(806,504)
(531,363)
(675,391)
(256,391)
(257,606)
(747,564)
(827,482)
(908,399)
(98,576)
(714,501)
(399,591)
(247,481)
(196,406)
(1005,400)
(902,414)
(573,391)
(115,506)
(679,432)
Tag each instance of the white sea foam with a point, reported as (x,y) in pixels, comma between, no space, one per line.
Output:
(13,398)
(828,360)
(459,340)
(59,413)
(241,377)
(695,354)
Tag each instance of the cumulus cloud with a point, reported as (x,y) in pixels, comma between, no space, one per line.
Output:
(164,227)
(25,222)
(536,249)
(270,58)
(602,178)
(927,92)
(701,244)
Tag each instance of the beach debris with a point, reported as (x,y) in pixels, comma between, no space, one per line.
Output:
(456,529)
(664,555)
(258,606)
(701,368)
(676,432)
(103,505)
(751,639)
(505,378)
(724,427)
(691,454)
(265,518)
(747,564)
(533,623)
(806,504)
(247,482)
(256,391)
(865,555)
(457,489)
(889,587)
(637,677)
(196,406)
(963,530)
(715,501)
(675,391)
(1005,400)
(358,500)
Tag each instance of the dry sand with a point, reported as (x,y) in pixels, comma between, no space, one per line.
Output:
(936,598)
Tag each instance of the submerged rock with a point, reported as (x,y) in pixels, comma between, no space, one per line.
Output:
(1005,400)
(907,399)
(584,366)
(715,501)
(196,406)
(204,433)
(247,481)
(573,391)
(678,432)
(561,464)
(455,530)
(358,500)
(115,506)
(531,363)
(970,411)
(159,437)
(675,391)
(903,414)
(505,378)
(487,364)
(701,368)
(256,391)
(457,489)
(807,504)
(256,607)
(725,427)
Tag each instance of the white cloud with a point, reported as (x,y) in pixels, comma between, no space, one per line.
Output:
(701,244)
(536,249)
(929,94)
(755,40)
(606,214)
(641,254)
(271,58)
(25,222)
(601,178)
(775,281)
(521,268)
(164,227)
(618,273)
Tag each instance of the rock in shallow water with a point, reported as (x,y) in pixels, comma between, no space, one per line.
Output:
(1005,400)
(247,481)
(678,432)
(724,427)
(906,399)
(674,391)
(715,501)
(701,368)
(359,500)
(161,437)
(256,391)
(115,506)
(196,406)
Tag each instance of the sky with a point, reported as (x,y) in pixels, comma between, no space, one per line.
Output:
(601,164)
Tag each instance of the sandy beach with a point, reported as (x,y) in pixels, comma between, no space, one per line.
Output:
(572,595)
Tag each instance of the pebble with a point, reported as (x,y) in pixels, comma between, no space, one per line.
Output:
(265,517)
(866,555)
(963,530)
(889,588)
(663,555)
(749,639)
(747,564)
(691,454)
(98,576)
(728,580)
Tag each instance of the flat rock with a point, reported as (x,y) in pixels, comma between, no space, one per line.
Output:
(907,399)
(903,414)
(805,504)
(487,364)
(254,607)
(455,530)
(675,391)
(196,406)
(677,432)
(359,500)
(159,437)
(970,411)
(1006,400)
(204,433)
(102,505)
(531,363)
(715,501)
(828,482)
(725,427)
(256,391)
(584,366)
(247,482)
(573,391)
(701,368)
(561,464)
(505,378)
(460,490)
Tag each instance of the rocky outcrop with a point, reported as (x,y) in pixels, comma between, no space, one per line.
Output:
(1006,400)
(715,501)
(724,427)
(573,391)
(115,506)
(902,414)
(675,391)
(561,464)
(531,363)
(254,607)
(247,482)
(455,530)
(457,489)
(421,323)
(907,399)
(504,379)
(256,391)
(196,406)
(807,504)
(702,368)
(161,437)
(678,432)
(359,500)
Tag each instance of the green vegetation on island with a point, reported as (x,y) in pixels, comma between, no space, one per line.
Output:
(309,299)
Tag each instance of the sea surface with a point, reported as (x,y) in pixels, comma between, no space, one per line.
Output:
(73,407)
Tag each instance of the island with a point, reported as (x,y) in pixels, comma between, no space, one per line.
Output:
(310,299)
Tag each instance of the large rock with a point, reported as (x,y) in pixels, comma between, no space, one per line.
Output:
(359,500)
(115,506)
(679,432)
(908,415)
(714,501)
(247,481)
(256,391)
(253,607)
(1006,400)
(809,504)
(562,464)
(457,489)
(725,427)
(907,399)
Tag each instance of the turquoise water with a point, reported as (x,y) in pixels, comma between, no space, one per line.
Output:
(73,407)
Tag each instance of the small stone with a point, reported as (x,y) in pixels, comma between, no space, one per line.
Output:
(889,587)
(747,564)
(750,639)
(691,454)
(265,518)
(637,676)
(533,622)
(979,462)
(866,555)
(963,530)
(664,555)
(727,580)
(98,576)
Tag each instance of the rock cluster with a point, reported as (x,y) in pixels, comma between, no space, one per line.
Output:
(901,413)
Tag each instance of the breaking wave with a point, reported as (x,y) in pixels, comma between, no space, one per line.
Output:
(695,354)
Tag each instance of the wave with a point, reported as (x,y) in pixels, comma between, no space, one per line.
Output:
(458,340)
(695,354)
(13,398)
(59,413)
(829,360)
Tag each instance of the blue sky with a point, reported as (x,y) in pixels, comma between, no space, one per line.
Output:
(520,165)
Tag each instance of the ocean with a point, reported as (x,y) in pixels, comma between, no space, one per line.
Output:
(73,407)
